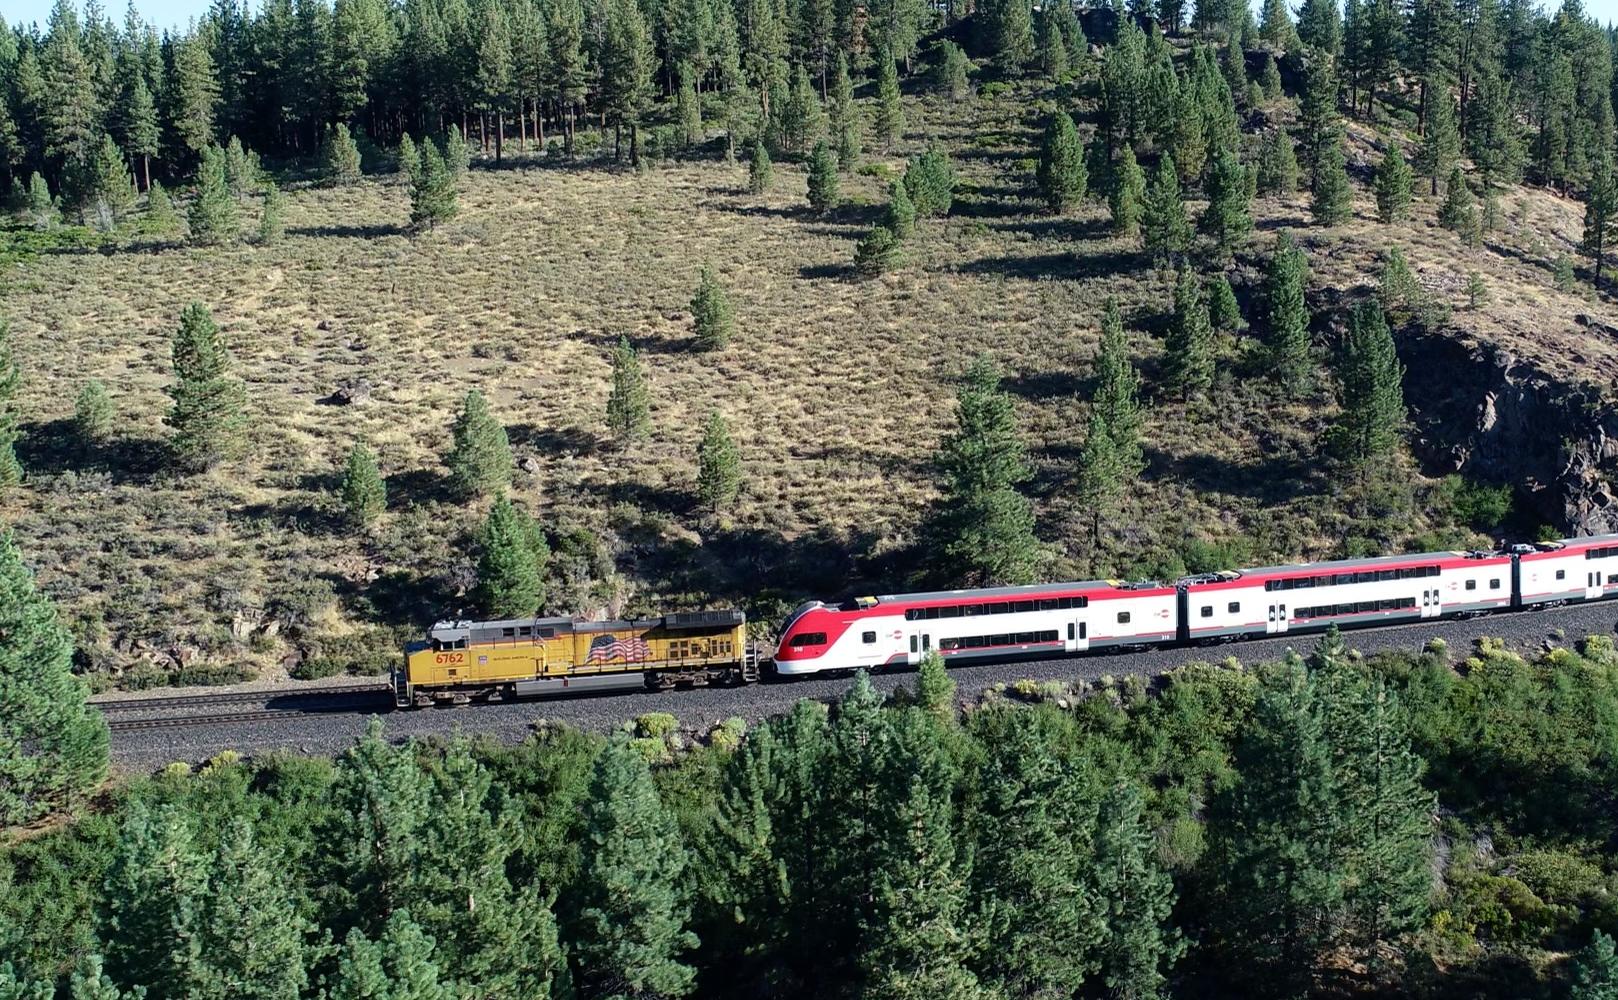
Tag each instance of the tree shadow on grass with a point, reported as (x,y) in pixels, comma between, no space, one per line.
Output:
(368,231)
(1039,386)
(814,272)
(1058,227)
(1056,265)
(555,440)
(420,488)
(1271,480)
(606,340)
(53,447)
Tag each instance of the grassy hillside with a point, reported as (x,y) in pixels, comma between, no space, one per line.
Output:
(838,391)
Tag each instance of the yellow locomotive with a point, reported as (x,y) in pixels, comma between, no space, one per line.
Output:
(463,660)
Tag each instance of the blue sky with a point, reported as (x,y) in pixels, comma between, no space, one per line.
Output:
(167,13)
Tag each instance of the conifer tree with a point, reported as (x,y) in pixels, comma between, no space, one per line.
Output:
(341,157)
(1165,230)
(1286,317)
(1270,78)
(1398,287)
(1393,185)
(760,172)
(242,170)
(398,966)
(409,158)
(719,467)
(630,932)
(53,747)
(1223,310)
(1331,198)
(432,190)
(480,457)
(1188,363)
(1061,175)
(879,251)
(1441,142)
(365,495)
(137,121)
(272,215)
(1228,217)
(1600,216)
(628,406)
(207,415)
(900,217)
(11,470)
(212,216)
(930,179)
(1101,474)
(1117,391)
(1126,194)
(511,563)
(890,116)
(985,527)
(1320,26)
(156,891)
(1595,970)
(822,179)
(160,212)
(1458,213)
(713,320)
(627,61)
(1275,25)
(802,120)
(457,155)
(250,933)
(108,190)
(41,211)
(92,415)
(844,116)
(951,71)
(935,691)
(1137,895)
(1053,61)
(1320,125)
(1189,148)
(194,100)
(90,982)
(1373,409)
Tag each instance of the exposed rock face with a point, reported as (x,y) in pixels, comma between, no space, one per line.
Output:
(1481,411)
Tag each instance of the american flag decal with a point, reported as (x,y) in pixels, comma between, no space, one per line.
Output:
(630,649)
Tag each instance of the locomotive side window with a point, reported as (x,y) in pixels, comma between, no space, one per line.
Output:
(809,639)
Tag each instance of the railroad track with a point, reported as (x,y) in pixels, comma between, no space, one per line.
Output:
(241,698)
(188,721)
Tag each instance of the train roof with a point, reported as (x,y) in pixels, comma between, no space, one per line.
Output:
(685,621)
(1407,559)
(1025,590)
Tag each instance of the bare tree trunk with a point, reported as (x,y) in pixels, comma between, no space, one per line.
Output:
(146,168)
(522,125)
(499,135)
(539,124)
(483,132)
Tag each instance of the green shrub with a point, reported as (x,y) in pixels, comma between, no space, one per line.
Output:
(655,725)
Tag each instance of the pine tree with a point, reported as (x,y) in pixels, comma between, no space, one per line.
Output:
(1275,25)
(1286,317)
(1277,164)
(1320,26)
(890,116)
(409,158)
(1270,78)
(713,321)
(951,71)
(1126,194)
(156,891)
(1331,198)
(195,95)
(511,563)
(1053,61)
(1393,185)
(1061,175)
(365,495)
(212,216)
(985,527)
(53,747)
(1477,293)
(822,179)
(1224,312)
(432,190)
(341,157)
(1138,896)
(1373,409)
(11,470)
(879,251)
(1117,391)
(1321,127)
(719,467)
(92,415)
(207,416)
(802,120)
(1595,970)
(90,982)
(108,191)
(480,458)
(845,117)
(633,907)
(272,216)
(161,215)
(242,170)
(1101,474)
(900,218)
(935,691)
(1600,216)
(71,109)
(1458,213)
(1228,217)
(1189,148)
(1188,363)
(251,935)
(41,211)
(760,173)
(457,155)
(1165,230)
(1398,287)
(628,406)
(1441,143)
(399,966)
(137,120)
(930,179)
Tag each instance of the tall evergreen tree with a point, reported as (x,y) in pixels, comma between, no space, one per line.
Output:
(137,123)
(714,322)
(1600,216)
(900,218)
(1373,408)
(1441,142)
(1101,474)
(890,117)
(1126,194)
(1117,391)
(1228,217)
(634,899)
(1393,185)
(719,471)
(1595,970)
(365,495)
(107,191)
(251,934)
(398,966)
(1277,165)
(822,179)
(760,172)
(207,415)
(1275,25)
(985,527)
(628,406)
(1331,198)
(930,179)
(480,456)
(1286,317)
(432,189)
(341,157)
(1458,213)
(511,563)
(1061,175)
(194,95)
(1188,362)
(212,216)
(1320,126)
(1320,26)
(53,747)
(1138,896)
(844,115)
(1165,230)
(157,893)
(627,62)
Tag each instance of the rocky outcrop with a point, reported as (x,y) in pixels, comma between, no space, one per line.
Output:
(1479,410)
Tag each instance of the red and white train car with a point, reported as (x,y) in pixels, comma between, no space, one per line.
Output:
(1575,569)
(1348,593)
(998,623)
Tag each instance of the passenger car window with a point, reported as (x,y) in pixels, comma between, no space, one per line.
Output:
(868,637)
(1123,618)
(1207,611)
